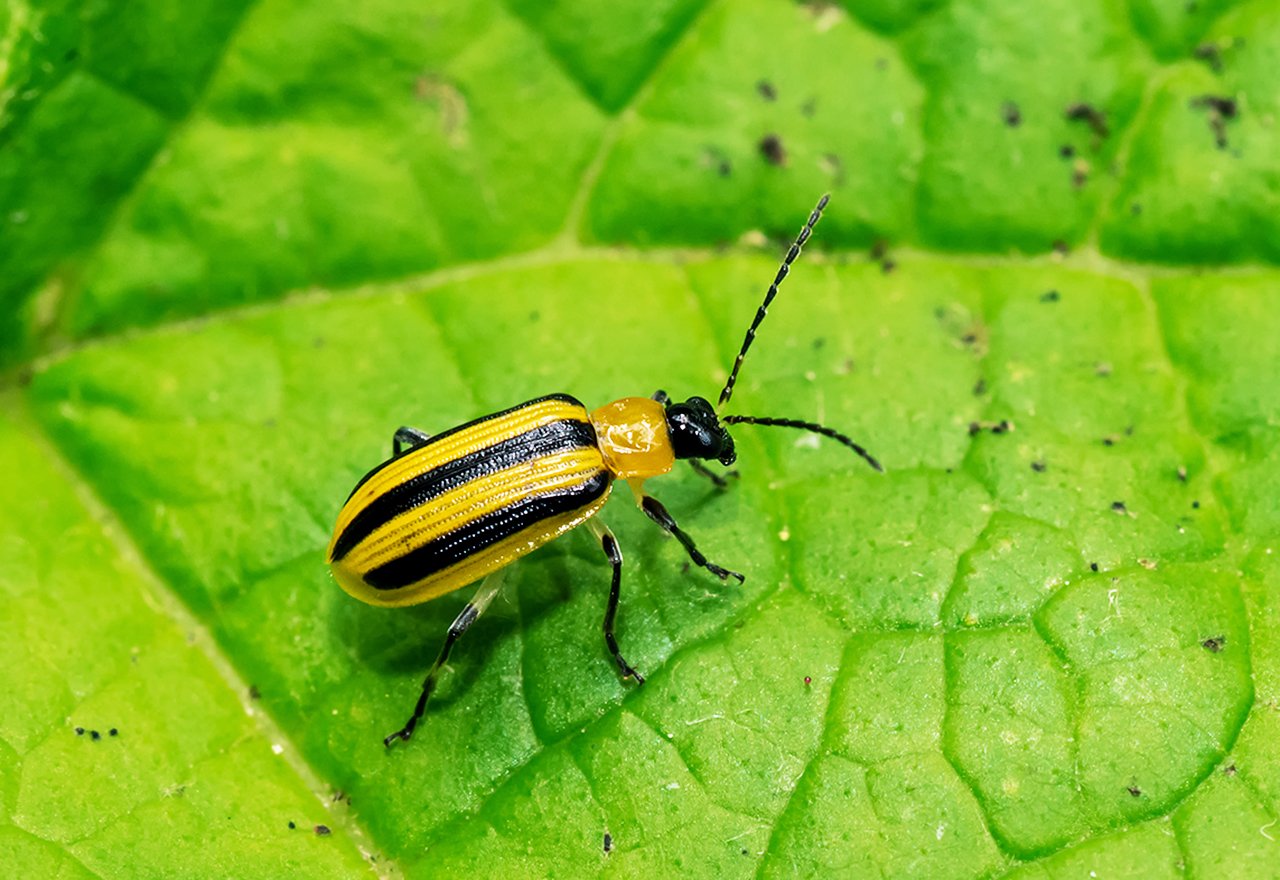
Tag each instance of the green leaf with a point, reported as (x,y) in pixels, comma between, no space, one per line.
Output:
(241,243)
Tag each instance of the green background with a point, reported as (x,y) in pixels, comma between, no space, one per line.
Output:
(240,243)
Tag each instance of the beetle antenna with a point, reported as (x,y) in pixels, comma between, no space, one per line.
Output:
(805,426)
(790,258)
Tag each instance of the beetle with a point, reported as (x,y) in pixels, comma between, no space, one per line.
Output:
(454,508)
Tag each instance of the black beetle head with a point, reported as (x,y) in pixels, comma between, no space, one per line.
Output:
(696,432)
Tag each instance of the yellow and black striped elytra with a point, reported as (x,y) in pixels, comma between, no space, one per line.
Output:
(458,507)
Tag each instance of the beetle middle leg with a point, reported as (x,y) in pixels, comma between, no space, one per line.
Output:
(610,546)
(659,514)
(471,612)
(407,438)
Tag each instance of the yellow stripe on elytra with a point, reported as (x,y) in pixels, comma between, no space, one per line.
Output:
(473,567)
(457,507)
(477,437)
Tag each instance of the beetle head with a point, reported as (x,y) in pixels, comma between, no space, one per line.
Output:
(696,432)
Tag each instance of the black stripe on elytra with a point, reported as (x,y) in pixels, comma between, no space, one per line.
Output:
(483,532)
(436,438)
(555,437)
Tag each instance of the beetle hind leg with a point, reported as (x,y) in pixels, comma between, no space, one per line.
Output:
(470,613)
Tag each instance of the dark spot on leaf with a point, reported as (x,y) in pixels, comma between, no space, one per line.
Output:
(1134,790)
(113,732)
(254,693)
(1229,770)
(1214,644)
(1082,111)
(322,831)
(608,843)
(744,852)
(1195,505)
(1135,209)
(766,90)
(1003,426)
(1211,54)
(771,149)
(79,731)
(1093,566)
(818,342)
(1079,173)
(1011,114)
(1066,151)
(1050,296)
(832,166)
(1110,440)
(980,387)
(71,54)
(879,253)
(1182,473)
(292,825)
(338,796)
(1221,108)
(1119,507)
(1039,466)
(808,108)
(94,735)
(1060,247)
(715,159)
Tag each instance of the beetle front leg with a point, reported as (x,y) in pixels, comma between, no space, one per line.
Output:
(656,512)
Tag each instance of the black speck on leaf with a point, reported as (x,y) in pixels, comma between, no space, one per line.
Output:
(1214,644)
(1135,791)
(772,150)
(1211,54)
(292,825)
(766,90)
(1082,111)
(1011,114)
(1221,108)
(608,843)
(94,735)
(1066,151)
(79,731)
(323,831)
(1039,466)
(1050,296)
(1119,507)
(1093,566)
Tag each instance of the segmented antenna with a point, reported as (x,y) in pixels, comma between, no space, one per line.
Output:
(768,297)
(805,426)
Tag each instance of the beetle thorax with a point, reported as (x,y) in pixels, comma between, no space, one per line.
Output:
(633,438)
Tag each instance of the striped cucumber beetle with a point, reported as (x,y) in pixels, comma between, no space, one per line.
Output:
(454,508)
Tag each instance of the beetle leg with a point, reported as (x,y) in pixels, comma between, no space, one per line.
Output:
(659,514)
(702,470)
(407,438)
(488,588)
(610,546)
